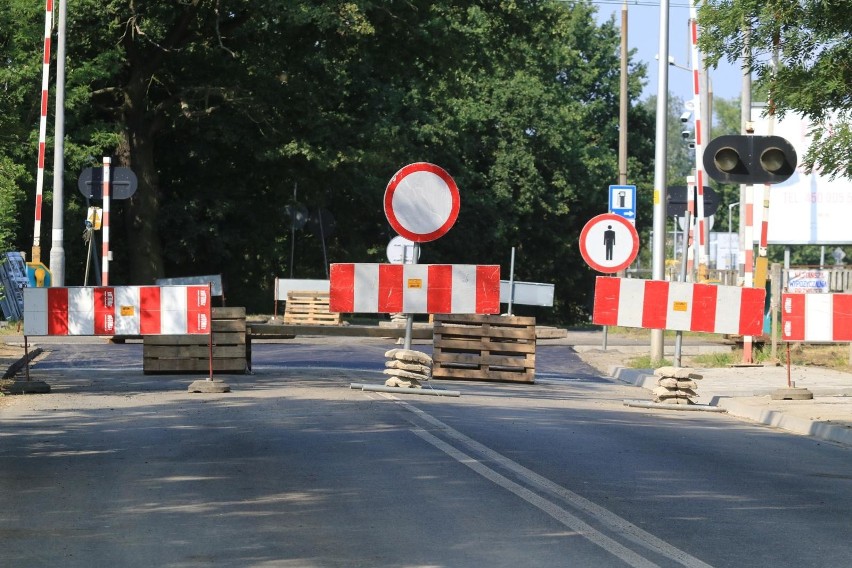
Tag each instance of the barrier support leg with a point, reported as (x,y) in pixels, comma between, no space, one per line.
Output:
(27,386)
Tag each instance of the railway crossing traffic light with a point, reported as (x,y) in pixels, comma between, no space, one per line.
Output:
(750,159)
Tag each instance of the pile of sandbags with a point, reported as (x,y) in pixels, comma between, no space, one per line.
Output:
(407,368)
(676,385)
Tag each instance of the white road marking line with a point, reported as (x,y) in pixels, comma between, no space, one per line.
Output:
(608,518)
(558,513)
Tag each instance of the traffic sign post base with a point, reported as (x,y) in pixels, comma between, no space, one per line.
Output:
(792,393)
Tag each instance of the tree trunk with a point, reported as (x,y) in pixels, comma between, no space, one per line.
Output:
(141,216)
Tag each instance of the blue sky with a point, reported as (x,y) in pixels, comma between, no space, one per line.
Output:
(643,34)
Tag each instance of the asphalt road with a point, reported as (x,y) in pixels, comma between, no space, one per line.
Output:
(293,468)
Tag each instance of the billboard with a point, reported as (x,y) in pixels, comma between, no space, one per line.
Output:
(807,209)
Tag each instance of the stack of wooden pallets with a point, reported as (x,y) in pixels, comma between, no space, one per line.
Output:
(309,308)
(483,347)
(191,353)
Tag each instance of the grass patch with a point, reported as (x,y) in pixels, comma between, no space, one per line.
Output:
(645,362)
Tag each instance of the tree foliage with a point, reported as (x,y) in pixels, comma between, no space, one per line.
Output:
(229,111)
(813,78)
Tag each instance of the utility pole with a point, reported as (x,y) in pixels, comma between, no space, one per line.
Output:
(57,248)
(660,156)
(623,101)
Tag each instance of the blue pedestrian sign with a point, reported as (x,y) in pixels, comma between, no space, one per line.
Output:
(622,201)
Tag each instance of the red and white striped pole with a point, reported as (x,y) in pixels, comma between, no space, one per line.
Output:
(42,130)
(699,143)
(689,230)
(105,224)
(748,256)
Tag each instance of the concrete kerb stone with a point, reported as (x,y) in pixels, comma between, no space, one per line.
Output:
(738,408)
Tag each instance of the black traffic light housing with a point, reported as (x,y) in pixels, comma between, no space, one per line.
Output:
(750,159)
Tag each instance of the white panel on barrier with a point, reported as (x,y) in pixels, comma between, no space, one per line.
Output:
(415,283)
(728,301)
(366,283)
(127,311)
(81,311)
(818,323)
(35,310)
(630,305)
(679,306)
(464,288)
(173,310)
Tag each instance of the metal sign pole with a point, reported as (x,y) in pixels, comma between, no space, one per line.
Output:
(409,318)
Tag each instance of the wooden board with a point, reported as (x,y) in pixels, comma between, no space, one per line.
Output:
(191,353)
(482,347)
(309,308)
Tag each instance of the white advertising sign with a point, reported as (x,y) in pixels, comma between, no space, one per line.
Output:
(806,209)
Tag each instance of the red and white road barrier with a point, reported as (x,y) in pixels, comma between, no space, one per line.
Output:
(679,306)
(415,288)
(42,125)
(119,310)
(816,317)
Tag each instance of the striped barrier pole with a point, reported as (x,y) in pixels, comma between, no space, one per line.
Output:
(105,224)
(699,144)
(42,130)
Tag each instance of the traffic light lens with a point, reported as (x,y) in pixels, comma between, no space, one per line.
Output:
(773,160)
(727,159)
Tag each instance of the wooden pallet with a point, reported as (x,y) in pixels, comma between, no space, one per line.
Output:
(174,354)
(484,348)
(309,308)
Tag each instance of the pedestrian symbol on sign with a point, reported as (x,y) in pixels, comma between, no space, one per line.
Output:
(609,241)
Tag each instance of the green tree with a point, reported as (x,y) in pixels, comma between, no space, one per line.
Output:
(224,108)
(813,77)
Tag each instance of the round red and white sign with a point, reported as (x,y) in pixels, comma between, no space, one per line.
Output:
(422,202)
(609,243)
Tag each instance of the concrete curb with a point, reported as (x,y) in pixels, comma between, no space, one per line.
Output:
(794,424)
(821,430)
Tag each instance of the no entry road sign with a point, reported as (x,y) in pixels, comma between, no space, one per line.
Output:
(609,243)
(421,202)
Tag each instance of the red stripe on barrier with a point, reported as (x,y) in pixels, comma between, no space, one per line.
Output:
(44,103)
(41,155)
(57,311)
(341,298)
(198,309)
(842,317)
(104,311)
(751,311)
(149,310)
(793,317)
(46,60)
(439,295)
(704,307)
(607,292)
(488,289)
(391,284)
(656,301)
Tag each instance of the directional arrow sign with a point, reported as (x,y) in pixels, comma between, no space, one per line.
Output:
(609,243)
(622,201)
(122,185)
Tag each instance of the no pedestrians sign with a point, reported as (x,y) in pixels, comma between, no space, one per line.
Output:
(609,243)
